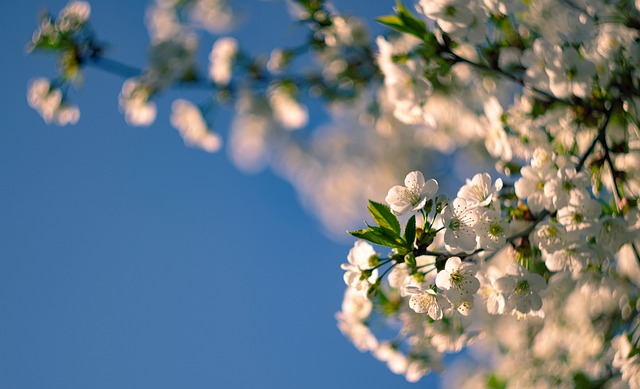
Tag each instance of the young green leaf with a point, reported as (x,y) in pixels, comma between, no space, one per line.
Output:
(383,216)
(410,232)
(379,236)
(394,22)
(415,26)
(410,260)
(390,20)
(392,238)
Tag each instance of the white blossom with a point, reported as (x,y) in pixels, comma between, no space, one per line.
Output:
(492,230)
(395,359)
(523,290)
(579,216)
(187,119)
(496,141)
(459,283)
(134,100)
(460,19)
(73,15)
(287,110)
(569,74)
(215,16)
(549,237)
(48,101)
(536,59)
(490,292)
(574,257)
(413,196)
(359,273)
(358,333)
(613,232)
(625,362)
(221,59)
(426,301)
(405,84)
(531,187)
(567,183)
(459,221)
(479,191)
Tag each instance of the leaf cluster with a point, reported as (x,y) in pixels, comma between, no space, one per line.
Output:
(388,232)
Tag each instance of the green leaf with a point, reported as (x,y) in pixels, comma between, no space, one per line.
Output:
(373,290)
(393,239)
(394,22)
(390,20)
(416,26)
(495,383)
(410,232)
(383,216)
(388,305)
(378,236)
(410,260)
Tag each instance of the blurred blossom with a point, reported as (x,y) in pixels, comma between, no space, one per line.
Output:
(344,32)
(49,103)
(459,18)
(221,58)
(216,16)
(286,109)
(75,14)
(278,59)
(559,21)
(450,125)
(407,87)
(344,164)
(162,23)
(251,133)
(166,18)
(188,120)
(134,101)
(355,310)
(171,60)
(570,74)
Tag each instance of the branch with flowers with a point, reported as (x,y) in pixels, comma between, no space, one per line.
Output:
(495,252)
(536,269)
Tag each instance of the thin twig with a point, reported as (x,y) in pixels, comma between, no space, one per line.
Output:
(114,67)
(512,77)
(598,139)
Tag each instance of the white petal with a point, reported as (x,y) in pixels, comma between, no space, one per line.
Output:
(430,188)
(453,264)
(443,280)
(536,282)
(505,284)
(535,302)
(412,290)
(435,312)
(414,181)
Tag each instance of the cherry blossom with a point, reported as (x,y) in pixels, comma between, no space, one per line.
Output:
(413,196)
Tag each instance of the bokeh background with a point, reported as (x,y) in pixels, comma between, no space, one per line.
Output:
(128,260)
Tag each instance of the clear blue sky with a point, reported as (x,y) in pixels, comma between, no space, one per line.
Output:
(130,261)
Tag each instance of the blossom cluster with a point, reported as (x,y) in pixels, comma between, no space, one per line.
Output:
(547,253)
(50,103)
(477,258)
(441,285)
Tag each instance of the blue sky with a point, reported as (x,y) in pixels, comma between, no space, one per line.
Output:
(128,260)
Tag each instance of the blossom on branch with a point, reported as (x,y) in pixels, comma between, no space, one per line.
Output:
(413,196)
